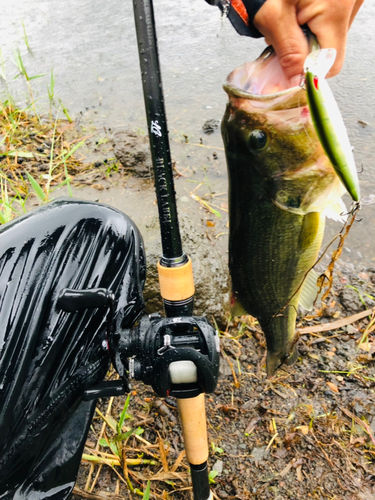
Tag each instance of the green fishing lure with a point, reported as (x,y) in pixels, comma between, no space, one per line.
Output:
(328,121)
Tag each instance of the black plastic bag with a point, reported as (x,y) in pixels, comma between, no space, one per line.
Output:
(48,357)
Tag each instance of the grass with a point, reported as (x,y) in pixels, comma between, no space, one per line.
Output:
(35,155)
(51,91)
(25,37)
(117,442)
(36,158)
(23,72)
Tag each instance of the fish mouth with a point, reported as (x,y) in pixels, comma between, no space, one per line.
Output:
(234,91)
(264,78)
(293,97)
(263,83)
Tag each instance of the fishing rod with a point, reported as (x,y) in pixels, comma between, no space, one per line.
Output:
(60,330)
(174,268)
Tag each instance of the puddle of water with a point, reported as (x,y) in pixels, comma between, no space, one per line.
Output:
(94,57)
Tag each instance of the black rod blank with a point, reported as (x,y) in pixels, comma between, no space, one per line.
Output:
(158,133)
(161,158)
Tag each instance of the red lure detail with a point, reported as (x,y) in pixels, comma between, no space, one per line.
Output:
(316,82)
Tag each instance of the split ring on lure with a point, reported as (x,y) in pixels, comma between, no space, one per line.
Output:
(327,119)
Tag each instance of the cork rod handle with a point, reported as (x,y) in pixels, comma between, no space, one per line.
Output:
(194,428)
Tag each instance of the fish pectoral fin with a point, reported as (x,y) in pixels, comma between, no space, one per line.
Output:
(337,211)
(237,308)
(293,356)
(309,291)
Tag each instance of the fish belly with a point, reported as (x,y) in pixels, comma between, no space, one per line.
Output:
(270,252)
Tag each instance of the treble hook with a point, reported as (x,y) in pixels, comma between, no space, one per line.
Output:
(356,206)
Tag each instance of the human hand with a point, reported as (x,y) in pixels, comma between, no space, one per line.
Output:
(280,22)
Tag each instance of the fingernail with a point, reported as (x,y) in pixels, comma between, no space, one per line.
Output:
(295,81)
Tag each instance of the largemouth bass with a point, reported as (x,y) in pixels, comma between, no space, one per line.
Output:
(281,186)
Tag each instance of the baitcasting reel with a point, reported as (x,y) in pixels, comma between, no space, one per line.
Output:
(177,356)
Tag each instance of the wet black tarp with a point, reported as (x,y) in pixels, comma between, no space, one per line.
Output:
(48,357)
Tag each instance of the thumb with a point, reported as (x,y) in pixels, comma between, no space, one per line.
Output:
(277,21)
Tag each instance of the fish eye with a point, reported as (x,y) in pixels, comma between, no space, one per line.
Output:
(257,140)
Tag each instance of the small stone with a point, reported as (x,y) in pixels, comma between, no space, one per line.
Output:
(218,466)
(351,329)
(222,494)
(363,275)
(210,126)
(258,454)
(247,405)
(358,408)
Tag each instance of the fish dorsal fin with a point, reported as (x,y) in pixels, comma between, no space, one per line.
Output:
(309,291)
(337,211)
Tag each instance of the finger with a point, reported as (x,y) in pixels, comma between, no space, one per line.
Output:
(330,25)
(356,8)
(331,36)
(277,21)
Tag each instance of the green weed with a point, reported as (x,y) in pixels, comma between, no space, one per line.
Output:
(25,37)
(216,449)
(65,111)
(146,494)
(2,67)
(23,72)
(51,91)
(212,475)
(139,131)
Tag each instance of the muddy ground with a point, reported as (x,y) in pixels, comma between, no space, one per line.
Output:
(308,432)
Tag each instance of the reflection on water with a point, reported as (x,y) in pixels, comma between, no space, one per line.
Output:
(92,49)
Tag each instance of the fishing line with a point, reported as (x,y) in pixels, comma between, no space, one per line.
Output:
(328,273)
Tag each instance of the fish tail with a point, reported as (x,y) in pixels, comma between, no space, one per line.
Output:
(281,341)
(276,359)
